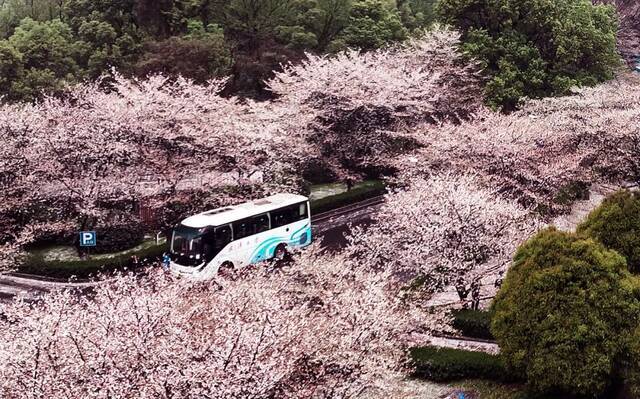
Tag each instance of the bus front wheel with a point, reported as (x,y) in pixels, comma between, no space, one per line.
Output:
(226,269)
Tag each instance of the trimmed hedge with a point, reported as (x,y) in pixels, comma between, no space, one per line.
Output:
(445,365)
(35,264)
(119,236)
(473,323)
(359,193)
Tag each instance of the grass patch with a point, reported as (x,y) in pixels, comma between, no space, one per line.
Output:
(484,389)
(359,192)
(38,263)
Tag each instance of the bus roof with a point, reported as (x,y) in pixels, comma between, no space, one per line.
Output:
(228,214)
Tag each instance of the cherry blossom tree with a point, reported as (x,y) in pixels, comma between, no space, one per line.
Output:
(545,156)
(93,155)
(322,328)
(352,106)
(629,32)
(445,230)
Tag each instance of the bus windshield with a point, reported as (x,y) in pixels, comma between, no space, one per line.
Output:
(186,240)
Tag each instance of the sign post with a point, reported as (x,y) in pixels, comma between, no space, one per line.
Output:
(88,239)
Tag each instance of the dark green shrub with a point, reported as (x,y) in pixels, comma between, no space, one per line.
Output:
(118,236)
(84,268)
(536,48)
(573,191)
(616,224)
(356,194)
(565,313)
(445,364)
(473,323)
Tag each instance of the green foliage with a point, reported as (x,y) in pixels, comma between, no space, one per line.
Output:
(39,57)
(445,364)
(616,224)
(12,12)
(107,32)
(56,42)
(84,268)
(118,236)
(473,323)
(11,66)
(631,370)
(45,45)
(536,48)
(372,24)
(417,14)
(361,192)
(565,312)
(197,56)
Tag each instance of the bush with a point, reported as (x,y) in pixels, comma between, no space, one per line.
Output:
(616,224)
(445,364)
(565,313)
(536,48)
(118,236)
(87,267)
(473,323)
(360,193)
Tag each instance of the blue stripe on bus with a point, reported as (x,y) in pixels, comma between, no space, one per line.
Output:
(267,248)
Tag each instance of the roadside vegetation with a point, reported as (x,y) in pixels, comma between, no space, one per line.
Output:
(50,44)
(536,48)
(471,193)
(566,318)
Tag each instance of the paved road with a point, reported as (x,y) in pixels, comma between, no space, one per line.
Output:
(331,229)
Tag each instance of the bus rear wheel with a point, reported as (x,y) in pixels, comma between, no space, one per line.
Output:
(280,254)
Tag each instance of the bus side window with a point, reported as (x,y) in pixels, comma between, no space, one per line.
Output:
(298,212)
(261,223)
(302,211)
(281,217)
(223,237)
(242,229)
(208,243)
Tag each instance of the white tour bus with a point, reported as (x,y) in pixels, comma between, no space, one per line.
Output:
(236,236)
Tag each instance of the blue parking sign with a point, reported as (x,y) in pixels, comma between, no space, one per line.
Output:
(88,239)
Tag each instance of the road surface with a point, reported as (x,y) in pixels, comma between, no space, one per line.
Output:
(330,227)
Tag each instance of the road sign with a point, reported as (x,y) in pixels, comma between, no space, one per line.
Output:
(88,239)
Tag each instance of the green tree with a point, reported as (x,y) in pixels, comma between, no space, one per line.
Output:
(14,11)
(199,55)
(536,48)
(565,313)
(631,370)
(327,19)
(616,224)
(162,18)
(47,51)
(372,24)
(107,33)
(417,15)
(11,68)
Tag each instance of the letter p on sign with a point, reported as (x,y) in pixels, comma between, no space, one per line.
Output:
(88,239)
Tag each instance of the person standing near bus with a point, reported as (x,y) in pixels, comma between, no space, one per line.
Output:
(166,262)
